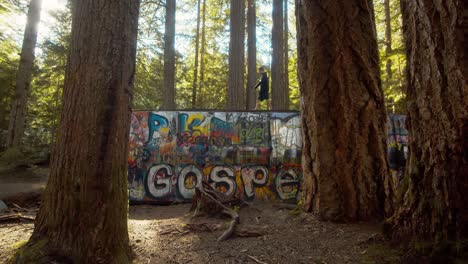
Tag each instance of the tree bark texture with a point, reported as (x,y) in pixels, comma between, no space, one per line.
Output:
(433,203)
(344,154)
(201,84)
(83,214)
(236,94)
(168,102)
(24,76)
(286,49)
(195,70)
(279,93)
(251,54)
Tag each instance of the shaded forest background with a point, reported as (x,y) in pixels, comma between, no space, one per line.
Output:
(212,59)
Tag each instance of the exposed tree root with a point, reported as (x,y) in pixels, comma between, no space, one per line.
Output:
(210,201)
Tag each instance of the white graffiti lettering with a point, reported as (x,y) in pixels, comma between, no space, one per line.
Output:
(253,176)
(287,184)
(159,180)
(189,177)
(223,180)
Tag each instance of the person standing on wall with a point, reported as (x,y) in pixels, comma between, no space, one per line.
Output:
(263,95)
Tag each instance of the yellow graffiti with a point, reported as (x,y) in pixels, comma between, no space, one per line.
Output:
(203,129)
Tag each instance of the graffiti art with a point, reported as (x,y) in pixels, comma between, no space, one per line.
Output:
(250,155)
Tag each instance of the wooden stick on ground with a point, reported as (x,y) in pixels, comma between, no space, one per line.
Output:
(256,260)
(15,217)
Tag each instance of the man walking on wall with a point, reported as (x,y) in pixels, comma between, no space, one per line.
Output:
(263,95)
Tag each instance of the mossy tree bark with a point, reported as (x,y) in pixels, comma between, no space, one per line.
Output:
(83,215)
(433,204)
(344,153)
(24,76)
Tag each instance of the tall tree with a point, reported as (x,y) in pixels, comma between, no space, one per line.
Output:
(236,56)
(251,53)
(391,49)
(344,162)
(202,54)
(279,92)
(83,214)
(169,57)
(434,204)
(24,76)
(195,68)
(286,50)
(388,44)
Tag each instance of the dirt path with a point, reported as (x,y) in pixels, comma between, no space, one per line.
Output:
(159,234)
(22,180)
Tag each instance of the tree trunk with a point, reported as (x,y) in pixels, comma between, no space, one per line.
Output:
(433,204)
(24,76)
(344,153)
(286,53)
(236,56)
(388,41)
(168,102)
(195,70)
(278,91)
(83,214)
(388,44)
(251,54)
(201,102)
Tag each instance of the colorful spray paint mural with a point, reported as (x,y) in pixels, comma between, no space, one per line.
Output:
(250,155)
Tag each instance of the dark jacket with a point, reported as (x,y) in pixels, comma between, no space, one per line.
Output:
(263,87)
(263,83)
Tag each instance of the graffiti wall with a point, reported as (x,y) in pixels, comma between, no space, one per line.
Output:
(250,155)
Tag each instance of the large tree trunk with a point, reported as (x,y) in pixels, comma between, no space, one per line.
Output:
(24,76)
(195,70)
(279,93)
(344,162)
(236,57)
(286,51)
(201,102)
(251,54)
(83,215)
(168,102)
(433,203)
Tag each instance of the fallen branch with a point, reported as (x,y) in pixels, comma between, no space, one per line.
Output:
(239,231)
(15,217)
(228,233)
(21,208)
(256,260)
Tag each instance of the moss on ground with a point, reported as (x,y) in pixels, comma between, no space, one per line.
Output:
(32,253)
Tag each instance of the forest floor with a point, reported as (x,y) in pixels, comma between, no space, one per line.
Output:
(168,234)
